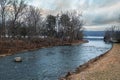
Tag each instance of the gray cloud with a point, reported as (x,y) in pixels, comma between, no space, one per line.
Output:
(95,12)
(104,15)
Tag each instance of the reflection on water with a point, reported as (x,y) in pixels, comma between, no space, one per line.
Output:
(50,63)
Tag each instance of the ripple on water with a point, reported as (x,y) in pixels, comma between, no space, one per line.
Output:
(50,63)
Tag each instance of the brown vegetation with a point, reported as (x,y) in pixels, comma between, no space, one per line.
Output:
(8,46)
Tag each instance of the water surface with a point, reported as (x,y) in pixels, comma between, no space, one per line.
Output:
(50,63)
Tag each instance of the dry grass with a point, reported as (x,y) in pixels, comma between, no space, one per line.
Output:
(10,46)
(106,68)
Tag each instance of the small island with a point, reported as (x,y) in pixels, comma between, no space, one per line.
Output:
(26,29)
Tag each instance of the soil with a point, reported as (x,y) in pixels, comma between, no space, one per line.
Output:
(103,67)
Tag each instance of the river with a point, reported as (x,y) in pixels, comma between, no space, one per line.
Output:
(50,63)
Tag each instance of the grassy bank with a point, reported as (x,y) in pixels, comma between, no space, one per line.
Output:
(13,46)
(104,67)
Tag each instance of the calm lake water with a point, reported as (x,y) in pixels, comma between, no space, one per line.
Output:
(50,63)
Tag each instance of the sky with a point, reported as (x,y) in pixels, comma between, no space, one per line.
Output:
(97,14)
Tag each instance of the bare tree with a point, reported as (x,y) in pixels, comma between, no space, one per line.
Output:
(17,10)
(76,26)
(72,23)
(50,25)
(33,19)
(65,22)
(112,34)
(3,12)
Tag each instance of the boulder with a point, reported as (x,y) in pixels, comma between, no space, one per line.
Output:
(18,59)
(68,74)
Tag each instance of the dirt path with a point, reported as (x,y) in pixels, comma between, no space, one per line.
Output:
(106,68)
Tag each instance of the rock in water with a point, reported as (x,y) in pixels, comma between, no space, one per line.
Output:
(18,59)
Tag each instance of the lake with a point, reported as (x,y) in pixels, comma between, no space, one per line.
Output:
(50,63)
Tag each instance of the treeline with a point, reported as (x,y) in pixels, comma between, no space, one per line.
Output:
(112,34)
(20,20)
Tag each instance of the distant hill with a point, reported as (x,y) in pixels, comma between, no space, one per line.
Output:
(94,33)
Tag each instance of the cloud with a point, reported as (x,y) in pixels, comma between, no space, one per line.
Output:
(103,15)
(95,12)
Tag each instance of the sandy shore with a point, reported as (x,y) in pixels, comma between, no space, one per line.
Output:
(104,67)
